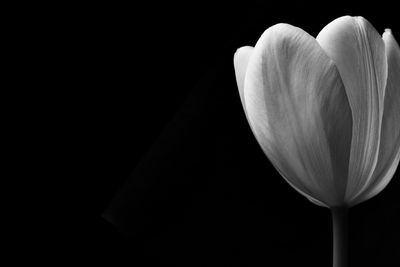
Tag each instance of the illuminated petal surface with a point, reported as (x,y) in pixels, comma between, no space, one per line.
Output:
(240,61)
(389,151)
(298,109)
(359,54)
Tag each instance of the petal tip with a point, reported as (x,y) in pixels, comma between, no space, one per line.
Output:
(237,54)
(243,48)
(363,22)
(390,42)
(278,28)
(387,33)
(360,18)
(344,18)
(238,50)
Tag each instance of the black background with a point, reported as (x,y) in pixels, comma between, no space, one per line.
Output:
(170,171)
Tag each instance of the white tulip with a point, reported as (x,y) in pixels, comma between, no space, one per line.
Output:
(326,111)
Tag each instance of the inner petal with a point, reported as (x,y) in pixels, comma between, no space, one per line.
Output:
(359,54)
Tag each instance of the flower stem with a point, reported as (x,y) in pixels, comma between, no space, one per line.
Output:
(340,236)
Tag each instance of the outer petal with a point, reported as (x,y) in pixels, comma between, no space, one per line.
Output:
(389,150)
(359,53)
(240,61)
(298,110)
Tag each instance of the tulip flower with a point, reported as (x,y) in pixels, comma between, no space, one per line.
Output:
(326,111)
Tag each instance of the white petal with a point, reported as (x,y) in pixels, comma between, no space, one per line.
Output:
(389,150)
(240,61)
(359,53)
(298,109)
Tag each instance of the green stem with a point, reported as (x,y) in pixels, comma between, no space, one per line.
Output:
(340,236)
